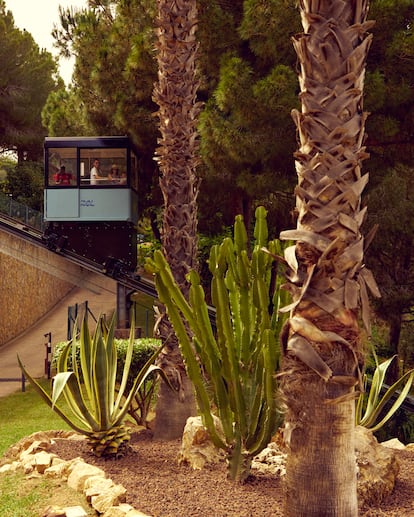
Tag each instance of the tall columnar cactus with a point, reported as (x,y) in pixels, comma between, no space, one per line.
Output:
(233,365)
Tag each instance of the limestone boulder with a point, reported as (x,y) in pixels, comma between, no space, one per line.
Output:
(80,472)
(377,466)
(271,459)
(115,495)
(197,449)
(96,485)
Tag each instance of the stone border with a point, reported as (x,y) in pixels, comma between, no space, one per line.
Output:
(31,456)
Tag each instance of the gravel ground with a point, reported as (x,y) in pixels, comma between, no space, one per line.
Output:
(159,487)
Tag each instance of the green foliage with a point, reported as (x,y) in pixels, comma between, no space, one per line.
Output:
(369,409)
(390,93)
(232,368)
(98,404)
(27,78)
(390,256)
(25,183)
(64,114)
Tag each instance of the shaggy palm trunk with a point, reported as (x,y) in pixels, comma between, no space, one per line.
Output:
(328,280)
(177,156)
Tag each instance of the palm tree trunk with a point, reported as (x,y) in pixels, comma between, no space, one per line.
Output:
(328,281)
(177,156)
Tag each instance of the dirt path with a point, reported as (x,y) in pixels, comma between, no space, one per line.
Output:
(30,346)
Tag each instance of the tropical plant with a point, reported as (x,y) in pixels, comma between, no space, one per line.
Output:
(177,157)
(143,349)
(370,408)
(98,405)
(328,278)
(233,366)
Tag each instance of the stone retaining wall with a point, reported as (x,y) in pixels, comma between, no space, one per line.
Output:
(26,292)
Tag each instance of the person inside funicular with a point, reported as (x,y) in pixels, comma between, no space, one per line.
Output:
(62,177)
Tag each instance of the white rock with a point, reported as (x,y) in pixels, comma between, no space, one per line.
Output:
(10,467)
(197,449)
(58,469)
(96,485)
(42,460)
(394,443)
(80,472)
(112,497)
(377,467)
(75,511)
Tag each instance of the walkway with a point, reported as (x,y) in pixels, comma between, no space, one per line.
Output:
(31,345)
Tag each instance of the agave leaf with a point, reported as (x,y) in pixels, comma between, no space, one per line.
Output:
(112,360)
(72,390)
(375,404)
(377,383)
(408,377)
(101,376)
(47,398)
(83,411)
(59,382)
(86,361)
(120,413)
(127,365)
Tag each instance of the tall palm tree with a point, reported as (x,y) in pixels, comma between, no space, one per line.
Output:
(177,156)
(328,279)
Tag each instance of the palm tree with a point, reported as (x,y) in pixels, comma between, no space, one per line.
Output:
(177,156)
(328,279)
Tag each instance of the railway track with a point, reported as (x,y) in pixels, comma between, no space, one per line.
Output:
(113,269)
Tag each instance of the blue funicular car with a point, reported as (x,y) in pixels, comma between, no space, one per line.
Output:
(91,198)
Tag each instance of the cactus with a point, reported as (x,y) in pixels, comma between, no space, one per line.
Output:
(233,366)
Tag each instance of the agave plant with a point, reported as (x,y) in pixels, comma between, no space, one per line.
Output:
(369,409)
(233,366)
(98,404)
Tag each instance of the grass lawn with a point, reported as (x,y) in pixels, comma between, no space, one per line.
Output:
(22,414)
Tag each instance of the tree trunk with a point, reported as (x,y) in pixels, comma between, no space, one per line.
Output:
(328,280)
(177,156)
(321,467)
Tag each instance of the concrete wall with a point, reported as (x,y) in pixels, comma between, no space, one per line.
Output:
(27,290)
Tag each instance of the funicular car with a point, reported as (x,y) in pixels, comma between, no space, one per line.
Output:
(91,198)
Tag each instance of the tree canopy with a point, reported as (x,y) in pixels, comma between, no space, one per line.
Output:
(247,76)
(28,75)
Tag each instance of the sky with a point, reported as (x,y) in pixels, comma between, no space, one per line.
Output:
(38,18)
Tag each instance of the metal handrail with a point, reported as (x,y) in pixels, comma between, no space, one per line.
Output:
(20,212)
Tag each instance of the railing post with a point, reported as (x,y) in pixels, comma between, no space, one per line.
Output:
(48,346)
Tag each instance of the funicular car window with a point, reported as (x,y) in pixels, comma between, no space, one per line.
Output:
(103,167)
(134,171)
(62,167)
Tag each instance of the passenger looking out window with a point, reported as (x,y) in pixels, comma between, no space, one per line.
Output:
(62,177)
(114,175)
(96,174)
